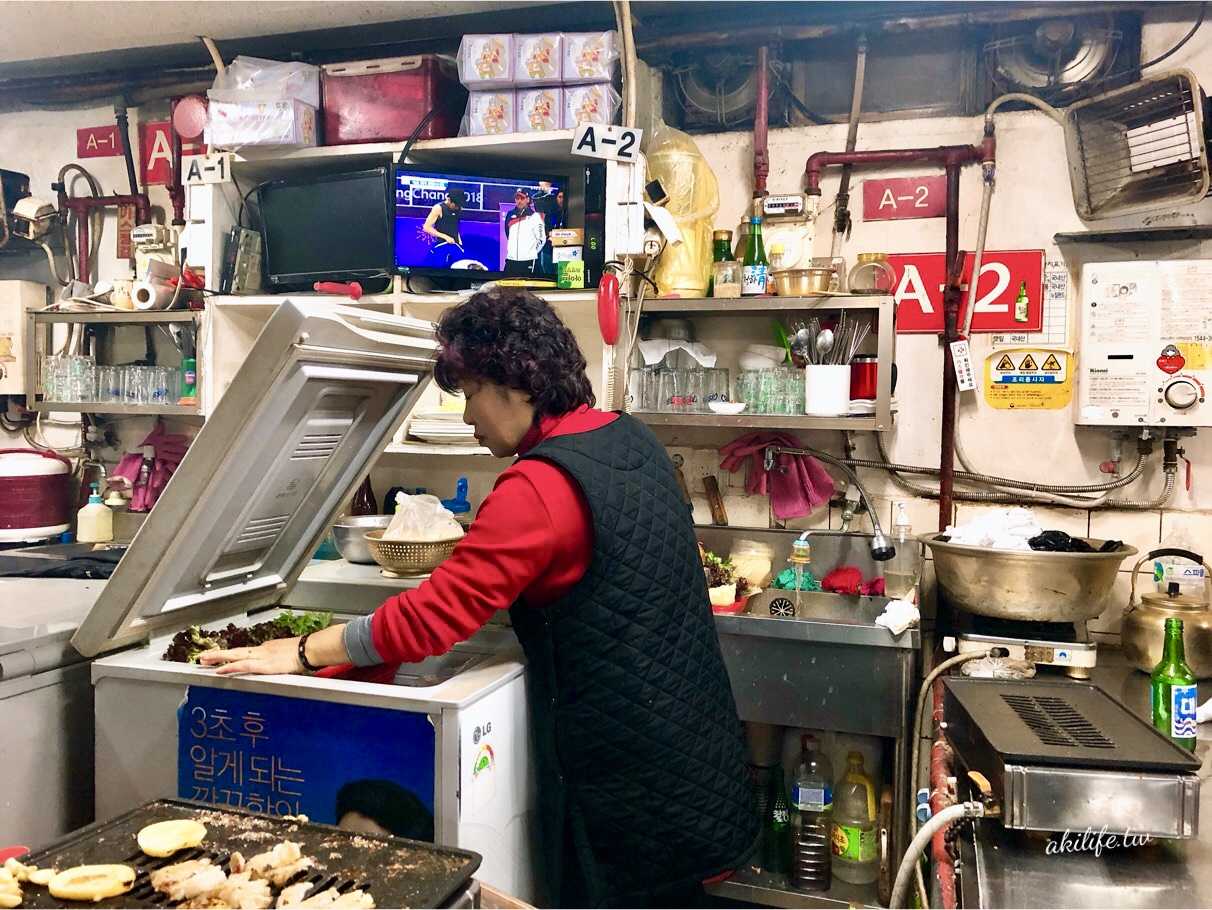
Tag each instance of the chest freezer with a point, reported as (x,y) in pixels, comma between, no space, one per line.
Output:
(46,710)
(318,397)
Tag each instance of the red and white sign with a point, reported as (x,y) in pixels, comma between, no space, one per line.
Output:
(920,278)
(98,142)
(895,198)
(156,153)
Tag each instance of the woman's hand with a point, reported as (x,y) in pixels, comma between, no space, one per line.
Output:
(274,657)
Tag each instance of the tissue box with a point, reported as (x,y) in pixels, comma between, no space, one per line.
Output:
(490,114)
(589,104)
(539,59)
(486,61)
(589,57)
(566,237)
(539,109)
(241,123)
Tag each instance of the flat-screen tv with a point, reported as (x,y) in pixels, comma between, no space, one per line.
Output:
(335,227)
(476,225)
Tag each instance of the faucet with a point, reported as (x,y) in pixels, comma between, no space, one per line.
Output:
(881,547)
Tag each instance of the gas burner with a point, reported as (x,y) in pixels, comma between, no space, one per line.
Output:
(1023,629)
(1046,644)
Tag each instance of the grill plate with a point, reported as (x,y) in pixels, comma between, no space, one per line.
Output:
(1062,723)
(396,872)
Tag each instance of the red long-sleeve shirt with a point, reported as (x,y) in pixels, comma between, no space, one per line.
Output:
(532,540)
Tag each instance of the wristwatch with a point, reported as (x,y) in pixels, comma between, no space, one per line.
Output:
(307,664)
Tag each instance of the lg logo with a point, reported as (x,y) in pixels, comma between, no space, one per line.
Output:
(480,732)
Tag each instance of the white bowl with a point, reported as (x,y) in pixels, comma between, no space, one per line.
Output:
(751,361)
(731,408)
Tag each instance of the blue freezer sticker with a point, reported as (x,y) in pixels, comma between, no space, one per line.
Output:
(289,756)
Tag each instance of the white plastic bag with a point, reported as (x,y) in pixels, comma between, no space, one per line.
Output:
(423,518)
(251,79)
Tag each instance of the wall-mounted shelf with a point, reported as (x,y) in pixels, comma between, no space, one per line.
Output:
(1138,235)
(772,890)
(257,165)
(267,303)
(100,407)
(421,448)
(750,305)
(757,421)
(123,317)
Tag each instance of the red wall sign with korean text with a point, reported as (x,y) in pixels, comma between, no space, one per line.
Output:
(919,291)
(897,198)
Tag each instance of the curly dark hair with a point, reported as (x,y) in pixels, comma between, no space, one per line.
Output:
(513,338)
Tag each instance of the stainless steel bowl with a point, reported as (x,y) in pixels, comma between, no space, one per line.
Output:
(802,282)
(350,535)
(1032,585)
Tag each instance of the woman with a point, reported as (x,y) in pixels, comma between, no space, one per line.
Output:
(587,541)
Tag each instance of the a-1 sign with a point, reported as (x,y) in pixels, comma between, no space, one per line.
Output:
(617,143)
(920,278)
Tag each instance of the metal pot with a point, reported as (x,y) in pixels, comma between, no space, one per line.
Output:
(1143,631)
(350,536)
(1032,585)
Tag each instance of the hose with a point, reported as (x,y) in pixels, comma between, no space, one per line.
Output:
(54,268)
(213,50)
(1044,106)
(978,257)
(916,732)
(96,219)
(917,846)
(622,11)
(841,219)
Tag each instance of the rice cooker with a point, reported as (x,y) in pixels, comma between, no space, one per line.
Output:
(35,500)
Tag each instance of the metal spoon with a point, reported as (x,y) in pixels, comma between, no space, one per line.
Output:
(824,344)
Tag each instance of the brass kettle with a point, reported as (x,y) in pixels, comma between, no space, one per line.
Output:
(1143,630)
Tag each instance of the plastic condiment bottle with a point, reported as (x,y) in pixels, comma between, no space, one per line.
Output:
(901,573)
(94,521)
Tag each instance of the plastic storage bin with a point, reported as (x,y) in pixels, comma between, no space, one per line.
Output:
(384,100)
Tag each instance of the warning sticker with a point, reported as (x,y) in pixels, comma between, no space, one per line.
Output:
(1017,381)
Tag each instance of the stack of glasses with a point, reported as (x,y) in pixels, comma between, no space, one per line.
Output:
(77,379)
(687,391)
(779,391)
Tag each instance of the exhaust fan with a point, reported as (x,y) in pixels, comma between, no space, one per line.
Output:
(1053,58)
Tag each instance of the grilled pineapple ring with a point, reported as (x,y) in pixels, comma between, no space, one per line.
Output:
(92,883)
(166,838)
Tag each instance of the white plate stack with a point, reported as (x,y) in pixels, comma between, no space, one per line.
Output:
(444,428)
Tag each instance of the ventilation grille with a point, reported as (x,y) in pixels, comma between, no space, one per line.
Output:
(316,445)
(1055,722)
(261,531)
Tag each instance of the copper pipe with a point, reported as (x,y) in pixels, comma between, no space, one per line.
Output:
(761,119)
(940,798)
(82,206)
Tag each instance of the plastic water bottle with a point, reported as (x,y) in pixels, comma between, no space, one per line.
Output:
(811,811)
(855,856)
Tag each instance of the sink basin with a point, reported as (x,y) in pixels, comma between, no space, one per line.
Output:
(433,671)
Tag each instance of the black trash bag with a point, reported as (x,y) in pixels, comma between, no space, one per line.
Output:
(1059,542)
(1111,546)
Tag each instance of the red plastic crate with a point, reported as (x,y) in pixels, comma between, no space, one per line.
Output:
(384,100)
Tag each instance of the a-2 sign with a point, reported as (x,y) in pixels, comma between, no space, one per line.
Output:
(617,143)
(920,278)
(898,198)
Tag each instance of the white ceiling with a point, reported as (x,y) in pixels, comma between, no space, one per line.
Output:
(38,29)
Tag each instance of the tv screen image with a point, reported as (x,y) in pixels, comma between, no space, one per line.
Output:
(448,222)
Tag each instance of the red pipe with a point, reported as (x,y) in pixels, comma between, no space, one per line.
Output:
(82,206)
(761,118)
(941,796)
(944,155)
(176,191)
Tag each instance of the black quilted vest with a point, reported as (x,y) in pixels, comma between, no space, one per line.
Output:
(640,763)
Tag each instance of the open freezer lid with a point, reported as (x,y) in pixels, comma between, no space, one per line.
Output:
(313,405)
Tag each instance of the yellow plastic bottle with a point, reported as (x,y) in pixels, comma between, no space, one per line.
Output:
(95,522)
(855,849)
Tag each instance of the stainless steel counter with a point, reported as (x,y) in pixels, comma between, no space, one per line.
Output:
(1001,868)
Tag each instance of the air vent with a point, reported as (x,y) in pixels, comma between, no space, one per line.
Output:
(1055,722)
(316,446)
(261,531)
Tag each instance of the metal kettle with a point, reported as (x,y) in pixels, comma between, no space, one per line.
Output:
(1143,630)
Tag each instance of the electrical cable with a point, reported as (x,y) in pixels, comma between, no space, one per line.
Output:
(96,219)
(54,268)
(1179,45)
(415,134)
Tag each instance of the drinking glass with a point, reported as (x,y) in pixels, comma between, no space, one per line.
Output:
(651,392)
(696,391)
(83,378)
(109,385)
(769,395)
(136,385)
(50,378)
(159,386)
(746,389)
(669,395)
(717,385)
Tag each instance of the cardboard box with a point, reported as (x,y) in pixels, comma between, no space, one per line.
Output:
(539,109)
(570,274)
(539,59)
(566,254)
(589,104)
(280,123)
(486,61)
(589,57)
(491,113)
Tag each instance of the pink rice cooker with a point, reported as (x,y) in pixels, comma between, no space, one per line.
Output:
(35,500)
